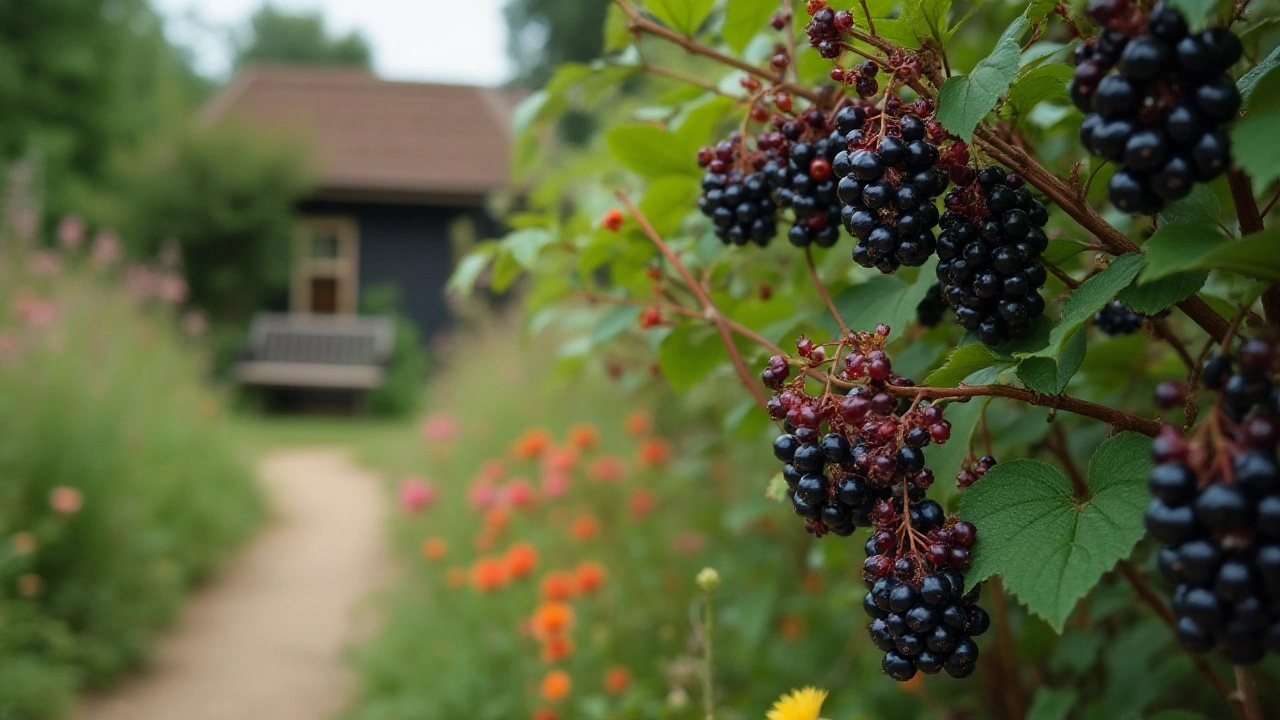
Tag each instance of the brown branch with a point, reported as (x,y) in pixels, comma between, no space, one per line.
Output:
(1250,220)
(822,290)
(686,78)
(1162,331)
(1117,418)
(1013,695)
(1247,693)
(709,310)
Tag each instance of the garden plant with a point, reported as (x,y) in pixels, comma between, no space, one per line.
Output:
(997,282)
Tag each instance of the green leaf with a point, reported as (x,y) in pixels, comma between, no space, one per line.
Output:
(1049,375)
(463,279)
(928,19)
(617,35)
(695,131)
(966,99)
(743,19)
(1051,704)
(1153,297)
(1050,548)
(1196,11)
(650,151)
(1200,246)
(898,31)
(1249,81)
(1062,248)
(505,271)
(963,362)
(1047,82)
(1254,145)
(689,354)
(1200,206)
(613,323)
(683,15)
(524,245)
(777,490)
(882,299)
(1089,298)
(668,201)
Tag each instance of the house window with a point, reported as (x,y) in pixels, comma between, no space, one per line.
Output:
(326,265)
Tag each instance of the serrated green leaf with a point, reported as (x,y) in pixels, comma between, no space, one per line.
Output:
(650,151)
(882,299)
(743,19)
(898,31)
(963,362)
(1254,145)
(463,279)
(1051,375)
(1249,81)
(667,201)
(689,354)
(966,99)
(1154,297)
(928,19)
(683,15)
(1089,298)
(1199,246)
(1047,82)
(1050,548)
(1051,704)
(1200,206)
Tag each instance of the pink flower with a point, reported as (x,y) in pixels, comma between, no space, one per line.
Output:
(71,232)
(439,427)
(555,484)
(520,493)
(45,263)
(483,495)
(606,468)
(171,288)
(106,249)
(34,311)
(416,494)
(66,500)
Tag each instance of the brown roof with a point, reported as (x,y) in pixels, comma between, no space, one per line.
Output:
(381,138)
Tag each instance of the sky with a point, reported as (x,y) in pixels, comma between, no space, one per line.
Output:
(460,41)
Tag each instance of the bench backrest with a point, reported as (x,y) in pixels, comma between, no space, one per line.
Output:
(321,339)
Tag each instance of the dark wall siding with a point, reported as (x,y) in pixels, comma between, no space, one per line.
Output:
(407,246)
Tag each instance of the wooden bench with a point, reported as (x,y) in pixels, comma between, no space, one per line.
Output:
(328,352)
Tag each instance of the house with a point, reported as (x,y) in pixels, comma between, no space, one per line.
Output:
(402,166)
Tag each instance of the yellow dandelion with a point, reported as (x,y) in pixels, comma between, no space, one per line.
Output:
(802,704)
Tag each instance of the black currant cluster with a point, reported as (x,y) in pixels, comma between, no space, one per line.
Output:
(930,309)
(927,626)
(989,255)
(1116,318)
(971,470)
(803,180)
(825,29)
(887,187)
(740,203)
(1157,98)
(1217,509)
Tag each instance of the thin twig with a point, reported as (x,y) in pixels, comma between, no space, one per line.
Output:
(685,78)
(822,290)
(1160,327)
(1247,692)
(1250,220)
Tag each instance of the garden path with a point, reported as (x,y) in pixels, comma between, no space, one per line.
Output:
(264,641)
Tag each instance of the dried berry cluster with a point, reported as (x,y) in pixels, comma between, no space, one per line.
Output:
(1157,99)
(989,254)
(856,460)
(1116,318)
(889,177)
(1217,508)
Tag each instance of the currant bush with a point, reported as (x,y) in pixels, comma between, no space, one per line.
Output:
(989,254)
(1217,509)
(736,194)
(1157,98)
(804,180)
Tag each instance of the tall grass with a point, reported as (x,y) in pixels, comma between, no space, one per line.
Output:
(119,486)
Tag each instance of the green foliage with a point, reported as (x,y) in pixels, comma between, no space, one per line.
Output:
(403,390)
(683,15)
(543,34)
(1049,543)
(966,99)
(101,401)
(1181,247)
(279,36)
(227,196)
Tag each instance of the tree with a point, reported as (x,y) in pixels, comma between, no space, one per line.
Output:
(276,35)
(542,34)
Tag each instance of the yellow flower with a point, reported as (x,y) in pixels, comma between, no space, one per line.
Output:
(802,704)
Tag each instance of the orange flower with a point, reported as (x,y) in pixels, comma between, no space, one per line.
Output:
(654,452)
(544,713)
(520,493)
(590,577)
(585,527)
(616,679)
(455,577)
(496,520)
(434,548)
(606,468)
(488,574)
(551,619)
(531,444)
(791,627)
(556,686)
(558,586)
(556,648)
(638,422)
(583,436)
(641,503)
(521,559)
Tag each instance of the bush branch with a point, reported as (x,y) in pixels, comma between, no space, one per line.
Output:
(822,290)
(1250,219)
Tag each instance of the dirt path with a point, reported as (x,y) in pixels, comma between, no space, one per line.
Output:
(264,641)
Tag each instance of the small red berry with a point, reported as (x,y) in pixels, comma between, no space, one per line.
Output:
(804,346)
(837,74)
(940,432)
(612,220)
(650,317)
(843,21)
(779,20)
(750,82)
(819,170)
(759,113)
(780,62)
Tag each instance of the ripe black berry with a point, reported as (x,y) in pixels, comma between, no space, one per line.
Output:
(1156,103)
(1115,318)
(740,204)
